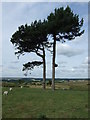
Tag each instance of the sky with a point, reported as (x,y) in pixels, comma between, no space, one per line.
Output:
(71,56)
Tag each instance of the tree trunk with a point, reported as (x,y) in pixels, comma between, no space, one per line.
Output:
(53,63)
(44,70)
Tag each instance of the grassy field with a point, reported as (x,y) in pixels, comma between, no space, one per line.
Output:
(33,102)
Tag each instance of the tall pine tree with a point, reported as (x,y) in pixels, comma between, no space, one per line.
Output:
(63,25)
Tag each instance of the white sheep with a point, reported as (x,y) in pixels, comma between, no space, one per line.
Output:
(64,88)
(21,86)
(10,89)
(5,93)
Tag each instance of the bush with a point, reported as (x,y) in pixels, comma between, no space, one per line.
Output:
(6,84)
(49,82)
(78,87)
(42,117)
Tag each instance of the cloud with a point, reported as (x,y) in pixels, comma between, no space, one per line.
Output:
(83,67)
(66,50)
(12,67)
(62,62)
(15,62)
(72,70)
(86,65)
(71,73)
(0,70)
(1,66)
(8,71)
(86,61)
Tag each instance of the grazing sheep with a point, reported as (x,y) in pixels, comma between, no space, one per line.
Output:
(5,93)
(10,89)
(64,88)
(21,86)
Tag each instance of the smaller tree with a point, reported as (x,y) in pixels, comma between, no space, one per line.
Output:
(31,38)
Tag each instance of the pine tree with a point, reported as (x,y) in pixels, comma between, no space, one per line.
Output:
(63,25)
(32,38)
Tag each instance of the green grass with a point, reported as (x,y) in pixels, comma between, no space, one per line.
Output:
(35,103)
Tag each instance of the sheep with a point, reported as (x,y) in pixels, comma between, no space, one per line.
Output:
(5,93)
(65,88)
(10,89)
(21,86)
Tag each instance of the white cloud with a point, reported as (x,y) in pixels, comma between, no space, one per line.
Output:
(67,50)
(83,67)
(0,70)
(8,71)
(87,60)
(15,62)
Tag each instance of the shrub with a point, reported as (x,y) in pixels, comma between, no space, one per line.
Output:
(49,82)
(6,84)
(42,117)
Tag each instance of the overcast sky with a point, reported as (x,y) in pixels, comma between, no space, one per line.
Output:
(71,57)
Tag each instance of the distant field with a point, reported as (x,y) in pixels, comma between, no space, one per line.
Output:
(33,102)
